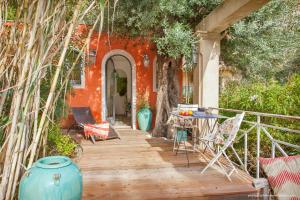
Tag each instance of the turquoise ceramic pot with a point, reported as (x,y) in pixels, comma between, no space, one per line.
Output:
(181,135)
(51,178)
(144,119)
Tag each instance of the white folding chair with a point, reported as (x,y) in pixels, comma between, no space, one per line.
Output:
(222,139)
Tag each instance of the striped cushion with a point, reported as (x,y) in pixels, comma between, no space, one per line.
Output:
(100,130)
(283,175)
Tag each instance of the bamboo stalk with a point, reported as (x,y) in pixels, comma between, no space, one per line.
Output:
(18,98)
(53,86)
(44,36)
(4,94)
(14,163)
(19,162)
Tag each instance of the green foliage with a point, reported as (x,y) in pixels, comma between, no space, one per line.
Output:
(143,100)
(70,59)
(60,144)
(177,40)
(60,108)
(11,11)
(265,44)
(3,122)
(122,85)
(101,3)
(169,23)
(74,59)
(292,68)
(271,97)
(143,104)
(187,94)
(188,9)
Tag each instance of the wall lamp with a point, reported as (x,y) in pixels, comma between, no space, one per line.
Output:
(195,54)
(146,60)
(91,57)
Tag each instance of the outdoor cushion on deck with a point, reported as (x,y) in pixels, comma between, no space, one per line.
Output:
(99,130)
(84,118)
(283,175)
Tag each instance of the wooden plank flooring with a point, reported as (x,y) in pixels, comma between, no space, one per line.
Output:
(140,167)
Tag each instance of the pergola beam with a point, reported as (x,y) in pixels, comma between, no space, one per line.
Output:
(228,13)
(206,74)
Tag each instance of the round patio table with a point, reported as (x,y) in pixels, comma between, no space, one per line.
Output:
(186,122)
(182,122)
(198,115)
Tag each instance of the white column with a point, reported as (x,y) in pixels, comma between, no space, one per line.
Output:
(206,74)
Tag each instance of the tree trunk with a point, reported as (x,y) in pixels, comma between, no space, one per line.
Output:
(167,95)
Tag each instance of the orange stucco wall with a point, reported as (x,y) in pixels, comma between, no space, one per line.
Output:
(91,95)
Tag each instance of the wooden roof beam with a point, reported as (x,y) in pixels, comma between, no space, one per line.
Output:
(228,13)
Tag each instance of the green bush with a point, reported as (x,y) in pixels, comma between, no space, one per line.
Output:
(270,97)
(60,144)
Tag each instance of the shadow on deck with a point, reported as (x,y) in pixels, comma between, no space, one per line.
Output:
(139,167)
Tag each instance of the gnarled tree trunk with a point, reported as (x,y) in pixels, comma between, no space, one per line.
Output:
(167,95)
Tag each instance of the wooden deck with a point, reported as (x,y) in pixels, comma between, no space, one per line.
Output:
(140,167)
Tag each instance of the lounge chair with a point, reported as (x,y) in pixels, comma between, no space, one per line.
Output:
(84,119)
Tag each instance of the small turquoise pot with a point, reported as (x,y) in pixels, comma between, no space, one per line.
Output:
(51,178)
(181,135)
(144,119)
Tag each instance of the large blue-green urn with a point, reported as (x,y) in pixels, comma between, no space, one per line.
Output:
(144,119)
(51,178)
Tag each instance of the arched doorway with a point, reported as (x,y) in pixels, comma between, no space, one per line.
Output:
(118,89)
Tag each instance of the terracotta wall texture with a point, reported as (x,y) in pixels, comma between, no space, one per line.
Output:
(91,94)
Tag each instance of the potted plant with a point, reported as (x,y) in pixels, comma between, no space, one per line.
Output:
(144,114)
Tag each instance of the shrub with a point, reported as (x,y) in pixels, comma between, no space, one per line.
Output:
(270,97)
(59,143)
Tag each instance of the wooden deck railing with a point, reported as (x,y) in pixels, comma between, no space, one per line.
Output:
(262,128)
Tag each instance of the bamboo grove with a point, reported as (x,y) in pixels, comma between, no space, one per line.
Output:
(32,51)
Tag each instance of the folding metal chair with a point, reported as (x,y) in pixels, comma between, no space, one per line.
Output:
(222,139)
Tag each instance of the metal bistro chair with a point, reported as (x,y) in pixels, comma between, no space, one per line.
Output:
(222,139)
(182,124)
(186,107)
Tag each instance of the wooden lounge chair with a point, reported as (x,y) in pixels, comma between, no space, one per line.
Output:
(83,116)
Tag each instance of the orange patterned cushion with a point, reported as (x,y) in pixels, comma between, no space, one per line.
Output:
(283,175)
(100,130)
